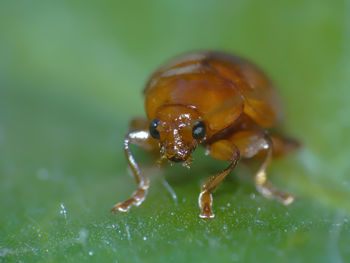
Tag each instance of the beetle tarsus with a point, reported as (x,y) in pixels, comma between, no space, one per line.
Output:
(137,198)
(205,201)
(122,207)
(270,192)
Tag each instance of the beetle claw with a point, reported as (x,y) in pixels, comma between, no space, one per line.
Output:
(122,207)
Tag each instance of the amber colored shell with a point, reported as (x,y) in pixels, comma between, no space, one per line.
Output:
(219,86)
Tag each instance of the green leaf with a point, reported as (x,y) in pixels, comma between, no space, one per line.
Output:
(71,75)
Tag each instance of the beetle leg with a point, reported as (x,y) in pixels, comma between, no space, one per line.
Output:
(251,143)
(265,187)
(283,145)
(142,138)
(223,150)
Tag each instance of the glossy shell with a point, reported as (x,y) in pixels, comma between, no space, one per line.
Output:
(221,87)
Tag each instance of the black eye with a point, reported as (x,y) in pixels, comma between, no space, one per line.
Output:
(153,129)
(198,131)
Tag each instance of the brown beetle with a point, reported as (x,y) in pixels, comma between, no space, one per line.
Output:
(216,100)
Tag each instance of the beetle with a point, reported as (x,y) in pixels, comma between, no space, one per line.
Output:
(217,100)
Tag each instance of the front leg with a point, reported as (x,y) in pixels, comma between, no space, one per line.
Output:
(138,135)
(225,151)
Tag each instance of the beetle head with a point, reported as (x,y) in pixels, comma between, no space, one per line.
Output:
(179,130)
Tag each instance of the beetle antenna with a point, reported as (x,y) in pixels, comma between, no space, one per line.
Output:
(187,164)
(160,160)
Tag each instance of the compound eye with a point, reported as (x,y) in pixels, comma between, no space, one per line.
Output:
(153,129)
(198,130)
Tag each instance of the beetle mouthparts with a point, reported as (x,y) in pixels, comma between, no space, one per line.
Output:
(176,159)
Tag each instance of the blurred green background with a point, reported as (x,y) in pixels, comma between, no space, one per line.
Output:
(71,75)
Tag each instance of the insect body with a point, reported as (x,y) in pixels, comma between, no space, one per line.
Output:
(216,100)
